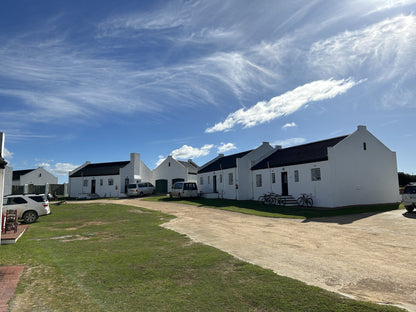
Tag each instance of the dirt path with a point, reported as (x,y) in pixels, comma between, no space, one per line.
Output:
(368,257)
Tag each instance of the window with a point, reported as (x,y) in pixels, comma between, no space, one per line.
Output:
(85,182)
(209,180)
(258,180)
(296,175)
(110,182)
(220,178)
(230,178)
(40,175)
(101,182)
(273,177)
(201,180)
(316,174)
(364,146)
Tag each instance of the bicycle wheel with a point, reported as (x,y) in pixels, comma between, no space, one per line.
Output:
(309,202)
(261,198)
(301,201)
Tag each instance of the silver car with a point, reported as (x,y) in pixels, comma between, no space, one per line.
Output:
(409,197)
(29,207)
(140,189)
(184,189)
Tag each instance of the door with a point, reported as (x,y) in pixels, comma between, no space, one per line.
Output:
(92,186)
(126,184)
(285,186)
(162,186)
(214,184)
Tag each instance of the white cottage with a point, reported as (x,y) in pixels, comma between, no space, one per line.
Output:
(230,176)
(38,176)
(107,179)
(355,169)
(171,171)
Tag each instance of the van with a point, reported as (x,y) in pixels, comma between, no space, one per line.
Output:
(184,189)
(140,189)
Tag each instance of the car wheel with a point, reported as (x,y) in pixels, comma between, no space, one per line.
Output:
(30,216)
(170,195)
(410,208)
(179,195)
(141,194)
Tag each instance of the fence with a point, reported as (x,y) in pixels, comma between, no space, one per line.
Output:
(54,189)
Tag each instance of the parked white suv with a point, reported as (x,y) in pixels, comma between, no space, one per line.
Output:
(140,189)
(184,189)
(29,207)
(409,197)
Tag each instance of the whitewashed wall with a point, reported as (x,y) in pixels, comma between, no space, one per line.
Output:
(224,188)
(77,188)
(38,176)
(319,189)
(363,176)
(243,178)
(8,177)
(171,169)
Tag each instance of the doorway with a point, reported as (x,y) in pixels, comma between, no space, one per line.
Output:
(93,186)
(214,184)
(285,186)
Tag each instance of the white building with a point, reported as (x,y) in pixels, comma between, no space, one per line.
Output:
(8,180)
(355,169)
(107,179)
(38,176)
(230,176)
(171,171)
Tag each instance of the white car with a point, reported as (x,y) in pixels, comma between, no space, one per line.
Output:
(140,189)
(184,189)
(409,197)
(29,207)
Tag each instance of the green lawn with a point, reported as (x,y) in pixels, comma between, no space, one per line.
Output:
(105,257)
(256,208)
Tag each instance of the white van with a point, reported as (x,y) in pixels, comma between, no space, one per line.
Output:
(184,189)
(140,189)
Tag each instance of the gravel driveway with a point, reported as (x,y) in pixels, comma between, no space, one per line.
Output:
(366,256)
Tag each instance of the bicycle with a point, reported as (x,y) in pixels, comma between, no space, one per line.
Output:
(305,200)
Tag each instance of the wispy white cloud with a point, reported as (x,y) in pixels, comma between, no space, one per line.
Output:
(189,152)
(290,142)
(289,125)
(383,50)
(59,169)
(225,147)
(284,104)
(7,154)
(160,160)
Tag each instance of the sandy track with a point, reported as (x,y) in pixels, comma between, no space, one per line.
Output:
(366,256)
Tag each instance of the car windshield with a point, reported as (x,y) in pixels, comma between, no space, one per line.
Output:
(178,185)
(411,189)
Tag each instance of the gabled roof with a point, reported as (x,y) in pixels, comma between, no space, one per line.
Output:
(18,173)
(225,162)
(101,169)
(301,154)
(192,167)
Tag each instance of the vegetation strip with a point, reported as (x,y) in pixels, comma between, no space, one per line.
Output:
(130,263)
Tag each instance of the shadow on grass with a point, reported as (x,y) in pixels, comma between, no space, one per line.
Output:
(343,215)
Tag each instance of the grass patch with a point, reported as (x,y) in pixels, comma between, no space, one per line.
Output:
(256,208)
(106,257)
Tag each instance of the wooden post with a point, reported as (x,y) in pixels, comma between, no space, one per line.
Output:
(3,164)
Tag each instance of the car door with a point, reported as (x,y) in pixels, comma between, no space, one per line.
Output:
(16,203)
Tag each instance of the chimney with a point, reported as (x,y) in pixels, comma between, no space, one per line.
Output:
(361,128)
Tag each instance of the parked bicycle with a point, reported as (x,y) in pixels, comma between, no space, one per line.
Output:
(305,200)
(272,199)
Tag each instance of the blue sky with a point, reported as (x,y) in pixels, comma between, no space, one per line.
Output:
(97,80)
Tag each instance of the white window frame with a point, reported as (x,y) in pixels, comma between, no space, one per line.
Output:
(316,174)
(259,182)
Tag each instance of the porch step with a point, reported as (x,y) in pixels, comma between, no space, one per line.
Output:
(290,200)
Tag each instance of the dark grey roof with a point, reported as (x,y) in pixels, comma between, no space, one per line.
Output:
(301,154)
(18,173)
(225,162)
(101,169)
(192,167)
